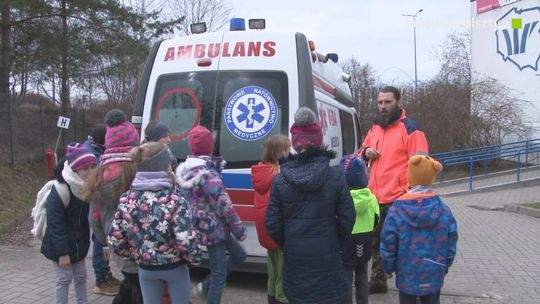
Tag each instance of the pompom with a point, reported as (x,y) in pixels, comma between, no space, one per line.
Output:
(305,117)
(115,117)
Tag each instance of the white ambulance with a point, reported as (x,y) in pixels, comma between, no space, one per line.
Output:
(245,85)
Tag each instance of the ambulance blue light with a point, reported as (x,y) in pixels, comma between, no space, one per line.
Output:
(238,24)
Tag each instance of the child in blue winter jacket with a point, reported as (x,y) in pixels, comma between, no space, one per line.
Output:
(214,216)
(153,226)
(419,236)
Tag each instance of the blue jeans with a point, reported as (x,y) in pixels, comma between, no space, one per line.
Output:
(177,283)
(101,267)
(427,299)
(221,267)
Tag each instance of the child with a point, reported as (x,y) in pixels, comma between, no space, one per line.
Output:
(357,251)
(276,147)
(421,228)
(67,236)
(153,225)
(199,178)
(106,283)
(159,132)
(113,177)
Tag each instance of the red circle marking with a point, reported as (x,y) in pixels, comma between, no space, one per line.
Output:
(196,102)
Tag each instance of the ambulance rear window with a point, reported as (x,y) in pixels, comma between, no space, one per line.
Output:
(242,108)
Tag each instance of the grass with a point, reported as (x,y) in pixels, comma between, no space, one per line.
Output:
(532,205)
(20,184)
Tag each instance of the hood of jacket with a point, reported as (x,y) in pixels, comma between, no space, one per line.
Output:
(190,172)
(419,210)
(262,176)
(361,199)
(308,170)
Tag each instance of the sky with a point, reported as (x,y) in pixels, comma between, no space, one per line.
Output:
(371,31)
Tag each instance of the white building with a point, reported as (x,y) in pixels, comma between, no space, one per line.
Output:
(506,46)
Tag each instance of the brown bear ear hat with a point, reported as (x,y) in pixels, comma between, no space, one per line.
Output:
(422,170)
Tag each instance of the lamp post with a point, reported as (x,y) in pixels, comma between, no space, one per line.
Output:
(414,31)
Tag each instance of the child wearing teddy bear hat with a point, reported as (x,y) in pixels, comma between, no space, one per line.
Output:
(421,227)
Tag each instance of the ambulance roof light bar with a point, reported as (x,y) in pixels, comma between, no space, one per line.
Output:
(238,24)
(198,28)
(257,24)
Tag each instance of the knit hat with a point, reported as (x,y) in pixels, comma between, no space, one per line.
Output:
(355,171)
(79,157)
(422,170)
(120,132)
(305,131)
(159,131)
(158,162)
(200,141)
(98,134)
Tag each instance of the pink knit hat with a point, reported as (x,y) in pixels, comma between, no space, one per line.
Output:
(305,132)
(120,132)
(200,141)
(79,157)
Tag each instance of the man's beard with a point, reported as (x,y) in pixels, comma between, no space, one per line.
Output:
(385,119)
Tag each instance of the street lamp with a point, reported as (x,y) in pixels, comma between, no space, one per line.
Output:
(415,65)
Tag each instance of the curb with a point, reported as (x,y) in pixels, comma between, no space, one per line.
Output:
(522,210)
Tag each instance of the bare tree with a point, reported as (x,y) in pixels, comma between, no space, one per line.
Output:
(497,113)
(364,82)
(215,13)
(469,111)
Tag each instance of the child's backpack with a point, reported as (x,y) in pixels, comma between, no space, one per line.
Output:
(39,212)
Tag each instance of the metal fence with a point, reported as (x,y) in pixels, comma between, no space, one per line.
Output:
(521,154)
(34,129)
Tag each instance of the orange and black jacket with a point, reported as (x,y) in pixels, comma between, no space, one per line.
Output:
(395,144)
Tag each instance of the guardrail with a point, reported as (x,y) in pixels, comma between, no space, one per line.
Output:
(523,153)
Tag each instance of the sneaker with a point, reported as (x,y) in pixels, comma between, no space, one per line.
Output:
(114,281)
(378,287)
(106,288)
(197,291)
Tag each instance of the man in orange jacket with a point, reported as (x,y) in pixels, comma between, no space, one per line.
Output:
(390,142)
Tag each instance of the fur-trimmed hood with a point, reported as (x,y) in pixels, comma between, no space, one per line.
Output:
(192,171)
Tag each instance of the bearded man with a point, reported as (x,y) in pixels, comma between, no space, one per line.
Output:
(390,142)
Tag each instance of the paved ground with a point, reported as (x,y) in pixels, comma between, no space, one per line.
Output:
(498,258)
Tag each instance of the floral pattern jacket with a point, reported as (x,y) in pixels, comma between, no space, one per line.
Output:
(155,229)
(199,178)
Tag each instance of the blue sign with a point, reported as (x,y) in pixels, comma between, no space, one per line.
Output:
(518,37)
(250,113)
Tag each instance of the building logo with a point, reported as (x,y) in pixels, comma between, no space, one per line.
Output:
(250,113)
(518,37)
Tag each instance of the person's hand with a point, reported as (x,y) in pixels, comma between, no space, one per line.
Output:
(106,253)
(64,261)
(388,276)
(372,153)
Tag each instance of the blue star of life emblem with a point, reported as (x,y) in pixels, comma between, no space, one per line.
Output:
(250,113)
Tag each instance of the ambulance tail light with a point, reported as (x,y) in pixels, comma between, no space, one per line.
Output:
(205,62)
(238,24)
(198,28)
(257,24)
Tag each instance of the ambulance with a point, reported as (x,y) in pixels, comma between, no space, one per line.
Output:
(245,85)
